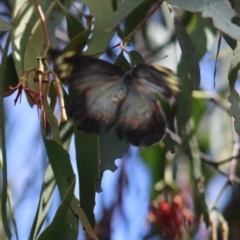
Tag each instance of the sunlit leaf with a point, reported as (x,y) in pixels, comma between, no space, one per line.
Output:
(75,205)
(45,200)
(219,11)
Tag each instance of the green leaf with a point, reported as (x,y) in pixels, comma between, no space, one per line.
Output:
(234,99)
(54,16)
(124,9)
(62,227)
(35,45)
(3,155)
(189,53)
(122,62)
(137,15)
(234,67)
(4,25)
(82,217)
(24,20)
(193,151)
(136,58)
(87,157)
(11,78)
(64,175)
(61,165)
(74,25)
(234,96)
(111,148)
(45,200)
(219,11)
(155,157)
(78,42)
(101,11)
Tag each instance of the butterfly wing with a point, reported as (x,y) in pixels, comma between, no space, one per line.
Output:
(97,87)
(141,119)
(157,79)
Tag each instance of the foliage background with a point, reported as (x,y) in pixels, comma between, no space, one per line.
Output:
(200,40)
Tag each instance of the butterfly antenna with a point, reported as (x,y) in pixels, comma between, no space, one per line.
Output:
(155,60)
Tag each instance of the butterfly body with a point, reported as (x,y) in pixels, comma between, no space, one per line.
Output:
(105,95)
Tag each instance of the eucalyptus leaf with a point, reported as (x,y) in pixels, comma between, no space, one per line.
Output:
(122,12)
(3,154)
(101,11)
(88,170)
(62,226)
(219,11)
(4,25)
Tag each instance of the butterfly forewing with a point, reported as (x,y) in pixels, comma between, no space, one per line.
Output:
(94,84)
(158,79)
(103,94)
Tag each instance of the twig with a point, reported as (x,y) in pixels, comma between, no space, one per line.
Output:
(128,37)
(219,196)
(236,147)
(209,160)
(43,21)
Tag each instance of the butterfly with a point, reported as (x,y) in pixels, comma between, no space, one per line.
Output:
(105,95)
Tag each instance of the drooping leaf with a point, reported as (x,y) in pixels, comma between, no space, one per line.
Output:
(78,42)
(65,177)
(82,217)
(232,42)
(188,51)
(136,16)
(24,20)
(234,67)
(122,12)
(219,11)
(193,153)
(3,155)
(234,99)
(45,200)
(102,13)
(12,78)
(155,158)
(62,226)
(4,25)
(136,58)
(88,170)
(111,148)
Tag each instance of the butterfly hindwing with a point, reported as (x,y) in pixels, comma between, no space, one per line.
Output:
(141,120)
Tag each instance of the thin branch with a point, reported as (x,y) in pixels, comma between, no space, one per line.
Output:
(219,196)
(236,147)
(43,21)
(128,37)
(210,161)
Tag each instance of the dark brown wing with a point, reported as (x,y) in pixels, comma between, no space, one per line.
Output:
(97,87)
(141,120)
